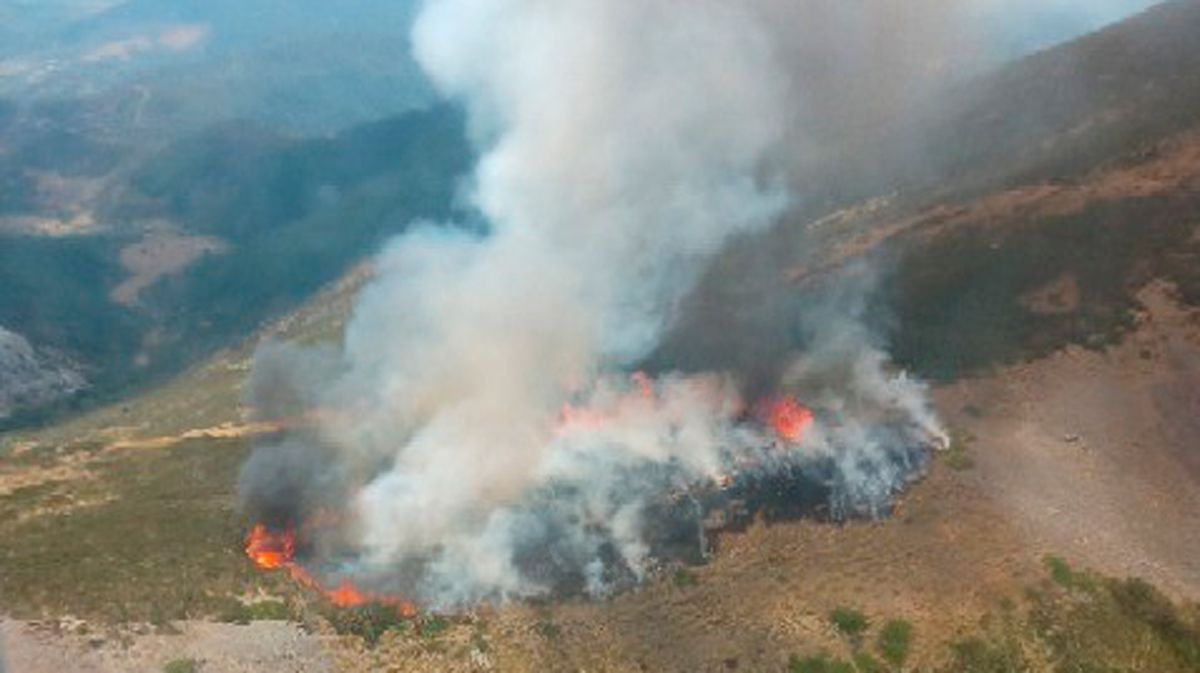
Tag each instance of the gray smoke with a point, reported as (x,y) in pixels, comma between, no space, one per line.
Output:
(480,434)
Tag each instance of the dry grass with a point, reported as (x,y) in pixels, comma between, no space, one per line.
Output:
(163,542)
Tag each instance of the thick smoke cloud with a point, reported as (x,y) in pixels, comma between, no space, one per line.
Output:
(481,435)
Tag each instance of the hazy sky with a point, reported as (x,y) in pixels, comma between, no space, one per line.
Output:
(62,25)
(1027,25)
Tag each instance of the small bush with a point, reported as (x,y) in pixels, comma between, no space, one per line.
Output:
(685,578)
(368,622)
(434,626)
(976,655)
(1060,572)
(1141,601)
(1080,622)
(181,666)
(269,611)
(894,642)
(865,663)
(956,456)
(234,611)
(849,622)
(548,629)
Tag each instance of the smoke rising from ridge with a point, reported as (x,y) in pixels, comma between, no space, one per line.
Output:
(482,435)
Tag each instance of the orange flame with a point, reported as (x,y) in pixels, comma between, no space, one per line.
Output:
(644,384)
(276,550)
(787,417)
(271,550)
(346,595)
(571,416)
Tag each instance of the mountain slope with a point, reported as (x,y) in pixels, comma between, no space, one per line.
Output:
(230,227)
(1047,275)
(1051,115)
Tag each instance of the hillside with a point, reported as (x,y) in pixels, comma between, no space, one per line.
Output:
(129,128)
(1047,117)
(1035,245)
(137,265)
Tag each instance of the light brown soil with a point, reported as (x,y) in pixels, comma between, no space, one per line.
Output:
(217,648)
(161,253)
(1097,456)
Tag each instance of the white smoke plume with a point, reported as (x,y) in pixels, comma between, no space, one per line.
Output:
(482,434)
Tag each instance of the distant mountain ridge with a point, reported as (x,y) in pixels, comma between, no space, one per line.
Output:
(1045,116)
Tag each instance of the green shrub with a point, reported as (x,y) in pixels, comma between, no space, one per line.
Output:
(894,642)
(1139,600)
(181,666)
(685,578)
(976,655)
(234,611)
(957,457)
(848,621)
(368,622)
(865,663)
(269,610)
(1060,572)
(433,626)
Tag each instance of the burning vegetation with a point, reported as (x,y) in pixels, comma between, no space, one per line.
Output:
(276,550)
(771,468)
(786,417)
(480,429)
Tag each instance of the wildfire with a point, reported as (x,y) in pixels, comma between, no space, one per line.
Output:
(571,416)
(784,414)
(346,595)
(276,550)
(787,417)
(271,550)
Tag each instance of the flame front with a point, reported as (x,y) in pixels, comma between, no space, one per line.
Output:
(271,550)
(276,550)
(346,595)
(787,417)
